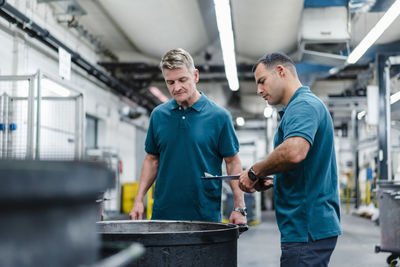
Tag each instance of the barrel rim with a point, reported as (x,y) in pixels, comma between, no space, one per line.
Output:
(227,233)
(227,226)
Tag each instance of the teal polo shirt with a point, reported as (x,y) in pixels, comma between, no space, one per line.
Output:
(189,142)
(307,197)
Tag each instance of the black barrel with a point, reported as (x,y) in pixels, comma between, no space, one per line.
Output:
(174,243)
(48,212)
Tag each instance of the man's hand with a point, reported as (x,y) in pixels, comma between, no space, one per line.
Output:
(245,184)
(137,211)
(237,218)
(263,185)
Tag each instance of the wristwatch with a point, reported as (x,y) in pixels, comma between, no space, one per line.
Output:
(252,175)
(243,211)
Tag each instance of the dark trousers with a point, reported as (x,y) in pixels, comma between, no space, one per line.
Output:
(307,254)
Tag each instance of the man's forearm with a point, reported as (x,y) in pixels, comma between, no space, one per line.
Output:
(274,163)
(238,195)
(285,157)
(233,167)
(147,176)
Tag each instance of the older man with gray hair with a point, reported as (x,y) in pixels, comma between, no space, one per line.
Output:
(188,136)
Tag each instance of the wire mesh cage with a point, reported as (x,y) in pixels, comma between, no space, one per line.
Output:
(41,118)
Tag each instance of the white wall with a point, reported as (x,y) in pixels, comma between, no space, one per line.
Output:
(22,55)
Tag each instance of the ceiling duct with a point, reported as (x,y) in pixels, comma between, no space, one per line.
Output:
(323,58)
(324,37)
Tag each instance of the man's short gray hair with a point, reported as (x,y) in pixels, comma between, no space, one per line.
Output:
(175,59)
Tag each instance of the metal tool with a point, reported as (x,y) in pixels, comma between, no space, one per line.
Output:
(228,177)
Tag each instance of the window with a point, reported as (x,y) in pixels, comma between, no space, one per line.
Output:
(91,131)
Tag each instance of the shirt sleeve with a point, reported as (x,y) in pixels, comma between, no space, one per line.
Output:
(228,144)
(150,144)
(301,120)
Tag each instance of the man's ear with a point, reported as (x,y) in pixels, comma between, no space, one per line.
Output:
(280,70)
(196,75)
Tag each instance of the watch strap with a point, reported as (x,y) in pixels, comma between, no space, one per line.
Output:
(252,175)
(243,211)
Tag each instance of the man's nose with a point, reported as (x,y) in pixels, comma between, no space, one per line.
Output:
(177,86)
(259,90)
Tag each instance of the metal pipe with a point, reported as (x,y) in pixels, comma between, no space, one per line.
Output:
(14,16)
(384,122)
(6,106)
(3,125)
(30,124)
(79,127)
(8,78)
(38,113)
(354,121)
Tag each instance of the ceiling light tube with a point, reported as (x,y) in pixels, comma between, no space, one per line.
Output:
(391,14)
(361,114)
(157,93)
(395,97)
(224,23)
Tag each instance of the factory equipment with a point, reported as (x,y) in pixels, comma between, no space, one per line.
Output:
(110,200)
(389,189)
(389,220)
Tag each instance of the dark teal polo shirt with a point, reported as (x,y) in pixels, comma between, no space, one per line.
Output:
(189,142)
(306,197)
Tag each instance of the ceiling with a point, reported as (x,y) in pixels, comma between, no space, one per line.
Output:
(135,34)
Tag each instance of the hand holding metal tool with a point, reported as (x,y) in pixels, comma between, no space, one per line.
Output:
(263,185)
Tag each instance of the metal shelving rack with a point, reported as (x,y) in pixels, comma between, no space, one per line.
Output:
(36,124)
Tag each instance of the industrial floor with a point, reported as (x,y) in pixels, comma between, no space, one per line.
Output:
(260,246)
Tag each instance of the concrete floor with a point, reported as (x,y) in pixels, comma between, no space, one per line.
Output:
(260,246)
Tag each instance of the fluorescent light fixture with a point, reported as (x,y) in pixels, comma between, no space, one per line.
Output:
(395,97)
(391,14)
(157,93)
(125,110)
(240,121)
(333,70)
(48,86)
(224,23)
(268,112)
(361,114)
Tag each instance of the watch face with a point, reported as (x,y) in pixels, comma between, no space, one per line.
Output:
(252,175)
(244,212)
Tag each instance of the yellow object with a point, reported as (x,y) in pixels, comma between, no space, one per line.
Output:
(368,192)
(129,191)
(349,176)
(150,201)
(347,198)
(252,223)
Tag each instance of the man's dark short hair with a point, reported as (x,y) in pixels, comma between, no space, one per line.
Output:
(272,59)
